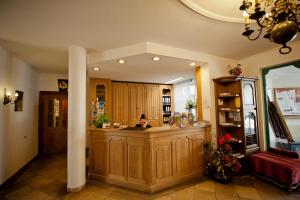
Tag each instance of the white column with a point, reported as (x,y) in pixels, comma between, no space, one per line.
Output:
(76,119)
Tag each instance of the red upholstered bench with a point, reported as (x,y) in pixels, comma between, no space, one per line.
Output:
(280,167)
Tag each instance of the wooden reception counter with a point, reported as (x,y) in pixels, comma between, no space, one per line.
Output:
(147,160)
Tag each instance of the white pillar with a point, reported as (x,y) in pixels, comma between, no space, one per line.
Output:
(76,119)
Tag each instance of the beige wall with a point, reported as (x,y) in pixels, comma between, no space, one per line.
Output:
(18,130)
(48,81)
(215,68)
(253,65)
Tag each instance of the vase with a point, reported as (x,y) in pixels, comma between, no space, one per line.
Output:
(225,177)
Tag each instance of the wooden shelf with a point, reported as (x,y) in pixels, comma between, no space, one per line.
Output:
(235,141)
(230,109)
(239,156)
(233,125)
(228,95)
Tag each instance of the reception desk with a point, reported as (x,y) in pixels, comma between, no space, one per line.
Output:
(147,160)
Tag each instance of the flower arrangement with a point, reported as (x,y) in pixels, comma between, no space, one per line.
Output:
(235,71)
(190,103)
(100,120)
(221,162)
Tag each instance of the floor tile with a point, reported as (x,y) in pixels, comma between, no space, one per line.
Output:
(46,179)
(201,195)
(207,185)
(248,192)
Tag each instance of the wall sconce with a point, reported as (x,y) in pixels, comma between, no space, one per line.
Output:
(8,98)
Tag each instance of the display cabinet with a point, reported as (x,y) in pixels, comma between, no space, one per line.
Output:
(100,97)
(236,112)
(166,94)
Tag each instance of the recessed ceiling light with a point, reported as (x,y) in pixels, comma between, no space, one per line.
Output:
(96,68)
(156,58)
(192,64)
(121,61)
(174,80)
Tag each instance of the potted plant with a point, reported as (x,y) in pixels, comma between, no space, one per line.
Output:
(190,104)
(222,164)
(235,71)
(100,120)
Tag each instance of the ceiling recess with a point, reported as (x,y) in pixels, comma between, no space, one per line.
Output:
(225,10)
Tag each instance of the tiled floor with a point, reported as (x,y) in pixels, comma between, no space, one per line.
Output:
(45,179)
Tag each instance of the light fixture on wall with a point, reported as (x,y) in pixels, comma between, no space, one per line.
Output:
(8,99)
(281,18)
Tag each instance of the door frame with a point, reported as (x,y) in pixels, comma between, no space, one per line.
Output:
(40,122)
(264,72)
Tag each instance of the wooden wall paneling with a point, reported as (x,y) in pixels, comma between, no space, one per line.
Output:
(196,143)
(162,159)
(137,102)
(136,155)
(117,156)
(120,101)
(152,106)
(98,155)
(181,158)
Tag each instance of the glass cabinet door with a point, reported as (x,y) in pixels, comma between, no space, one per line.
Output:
(100,98)
(250,128)
(249,94)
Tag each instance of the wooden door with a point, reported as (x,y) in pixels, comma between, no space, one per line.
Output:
(137,102)
(152,103)
(120,103)
(53,122)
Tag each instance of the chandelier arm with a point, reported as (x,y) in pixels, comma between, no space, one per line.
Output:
(258,35)
(261,24)
(248,12)
(285,49)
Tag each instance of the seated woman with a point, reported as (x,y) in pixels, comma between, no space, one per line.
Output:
(143,122)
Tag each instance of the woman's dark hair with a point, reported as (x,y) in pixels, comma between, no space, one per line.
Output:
(143,116)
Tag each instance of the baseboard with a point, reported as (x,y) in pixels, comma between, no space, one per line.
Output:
(16,175)
(77,189)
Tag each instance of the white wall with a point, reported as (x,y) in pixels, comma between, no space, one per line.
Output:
(18,130)
(253,66)
(182,93)
(48,81)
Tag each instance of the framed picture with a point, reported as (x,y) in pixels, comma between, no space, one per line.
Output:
(63,85)
(19,101)
(288,100)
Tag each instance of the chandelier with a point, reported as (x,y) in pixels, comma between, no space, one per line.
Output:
(280,18)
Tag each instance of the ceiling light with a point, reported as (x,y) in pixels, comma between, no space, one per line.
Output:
(174,80)
(280,18)
(96,68)
(156,58)
(121,61)
(192,64)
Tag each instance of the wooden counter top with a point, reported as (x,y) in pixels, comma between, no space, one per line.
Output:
(147,160)
(148,132)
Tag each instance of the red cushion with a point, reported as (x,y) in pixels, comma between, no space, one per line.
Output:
(291,154)
(284,170)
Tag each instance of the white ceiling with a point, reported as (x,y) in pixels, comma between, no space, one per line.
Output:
(40,32)
(213,9)
(166,69)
